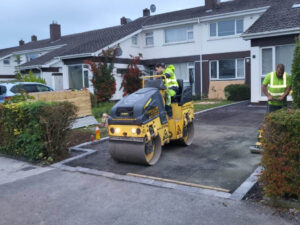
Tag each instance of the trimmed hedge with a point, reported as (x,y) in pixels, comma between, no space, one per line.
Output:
(281,157)
(35,130)
(237,92)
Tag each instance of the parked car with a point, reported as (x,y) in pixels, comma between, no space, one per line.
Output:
(7,90)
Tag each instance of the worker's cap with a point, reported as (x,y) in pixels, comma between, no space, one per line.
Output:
(160,65)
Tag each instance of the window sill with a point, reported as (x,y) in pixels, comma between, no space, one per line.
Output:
(223,37)
(149,46)
(179,42)
(233,79)
(135,46)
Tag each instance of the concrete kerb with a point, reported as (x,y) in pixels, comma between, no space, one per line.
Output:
(238,194)
(79,148)
(219,107)
(247,185)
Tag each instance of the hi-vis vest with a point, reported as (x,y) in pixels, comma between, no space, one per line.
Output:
(171,81)
(276,90)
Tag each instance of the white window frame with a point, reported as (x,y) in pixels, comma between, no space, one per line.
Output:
(5,63)
(218,70)
(262,76)
(149,35)
(134,40)
(190,30)
(273,64)
(85,67)
(235,28)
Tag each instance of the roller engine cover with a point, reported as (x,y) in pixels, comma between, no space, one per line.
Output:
(139,108)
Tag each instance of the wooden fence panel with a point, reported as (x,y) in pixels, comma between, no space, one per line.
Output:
(81,99)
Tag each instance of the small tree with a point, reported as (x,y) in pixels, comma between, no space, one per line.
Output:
(131,79)
(103,80)
(296,75)
(18,71)
(31,77)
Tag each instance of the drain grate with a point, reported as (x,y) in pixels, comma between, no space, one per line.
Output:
(28,168)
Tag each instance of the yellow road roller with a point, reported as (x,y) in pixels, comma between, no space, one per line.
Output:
(138,125)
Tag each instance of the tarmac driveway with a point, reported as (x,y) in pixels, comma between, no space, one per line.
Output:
(219,156)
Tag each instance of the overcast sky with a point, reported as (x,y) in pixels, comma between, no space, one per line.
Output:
(22,18)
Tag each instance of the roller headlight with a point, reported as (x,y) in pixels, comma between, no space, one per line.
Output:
(133,130)
(118,130)
(112,130)
(138,131)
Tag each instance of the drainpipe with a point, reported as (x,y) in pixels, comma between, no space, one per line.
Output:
(200,64)
(39,68)
(201,77)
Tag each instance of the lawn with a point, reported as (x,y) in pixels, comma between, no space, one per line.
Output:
(208,104)
(198,106)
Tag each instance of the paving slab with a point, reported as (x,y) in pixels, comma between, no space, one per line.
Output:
(12,170)
(219,156)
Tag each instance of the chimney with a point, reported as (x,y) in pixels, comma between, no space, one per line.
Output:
(55,33)
(33,38)
(146,12)
(211,4)
(123,20)
(21,42)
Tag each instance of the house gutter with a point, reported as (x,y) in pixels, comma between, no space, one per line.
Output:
(83,55)
(271,33)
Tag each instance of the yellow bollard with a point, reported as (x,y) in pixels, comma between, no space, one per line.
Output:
(97,133)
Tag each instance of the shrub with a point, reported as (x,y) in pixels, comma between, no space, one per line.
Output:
(36,130)
(237,92)
(103,80)
(103,107)
(281,157)
(94,101)
(19,98)
(296,76)
(132,78)
(31,77)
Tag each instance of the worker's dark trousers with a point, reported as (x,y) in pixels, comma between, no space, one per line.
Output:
(273,108)
(168,107)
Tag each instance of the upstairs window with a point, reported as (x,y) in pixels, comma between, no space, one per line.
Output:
(179,34)
(149,38)
(134,40)
(6,61)
(32,56)
(227,28)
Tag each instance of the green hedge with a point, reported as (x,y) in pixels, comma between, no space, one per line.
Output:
(296,75)
(281,157)
(237,92)
(35,130)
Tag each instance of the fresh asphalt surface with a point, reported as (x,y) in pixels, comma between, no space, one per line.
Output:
(218,157)
(48,196)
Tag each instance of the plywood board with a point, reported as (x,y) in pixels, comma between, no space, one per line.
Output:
(81,99)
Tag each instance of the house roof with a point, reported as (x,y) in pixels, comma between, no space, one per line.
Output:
(198,12)
(92,41)
(280,16)
(88,42)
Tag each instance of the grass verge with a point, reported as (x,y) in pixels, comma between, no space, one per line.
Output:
(208,104)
